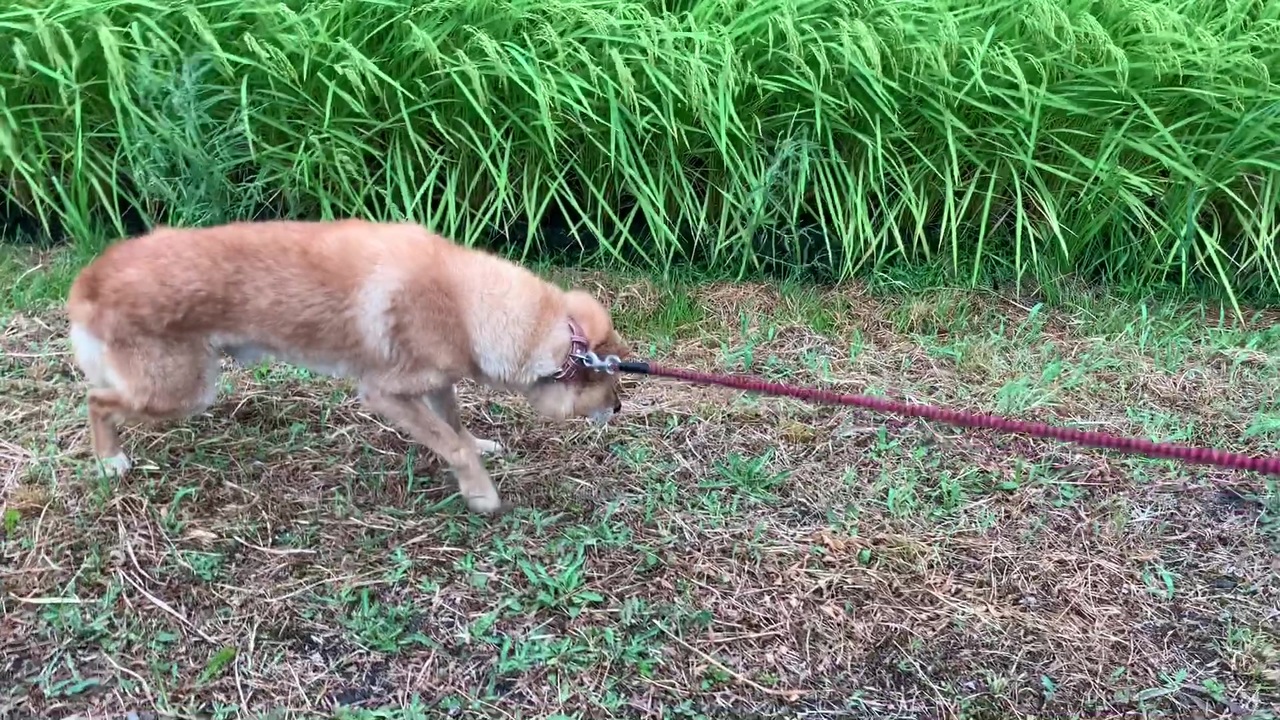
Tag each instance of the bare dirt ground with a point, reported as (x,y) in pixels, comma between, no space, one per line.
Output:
(708,555)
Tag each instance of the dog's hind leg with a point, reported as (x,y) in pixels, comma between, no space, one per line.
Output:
(142,381)
(91,356)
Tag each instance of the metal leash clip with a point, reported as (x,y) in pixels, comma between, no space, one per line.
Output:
(591,361)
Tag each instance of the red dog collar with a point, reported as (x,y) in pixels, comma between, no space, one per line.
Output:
(578,347)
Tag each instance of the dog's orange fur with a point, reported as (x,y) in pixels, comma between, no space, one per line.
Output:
(405,313)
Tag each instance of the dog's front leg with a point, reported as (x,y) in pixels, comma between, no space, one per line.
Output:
(444,402)
(459,452)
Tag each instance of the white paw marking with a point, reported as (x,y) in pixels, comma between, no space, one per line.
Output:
(488,447)
(116,466)
(484,504)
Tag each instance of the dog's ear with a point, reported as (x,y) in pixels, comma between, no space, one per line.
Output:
(614,345)
(591,314)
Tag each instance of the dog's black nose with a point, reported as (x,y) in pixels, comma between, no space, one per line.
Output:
(617,405)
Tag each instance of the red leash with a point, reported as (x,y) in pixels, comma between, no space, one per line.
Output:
(1088,438)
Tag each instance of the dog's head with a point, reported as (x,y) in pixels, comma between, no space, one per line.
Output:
(577,390)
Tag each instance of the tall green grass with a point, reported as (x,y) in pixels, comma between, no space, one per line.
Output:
(1134,140)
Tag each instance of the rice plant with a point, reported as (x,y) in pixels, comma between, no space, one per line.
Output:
(1134,140)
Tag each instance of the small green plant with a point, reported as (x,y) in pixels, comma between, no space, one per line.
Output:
(11,519)
(220,661)
(1214,688)
(384,627)
(561,586)
(754,477)
(172,520)
(206,566)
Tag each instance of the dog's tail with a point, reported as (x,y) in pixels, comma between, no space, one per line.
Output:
(86,290)
(85,313)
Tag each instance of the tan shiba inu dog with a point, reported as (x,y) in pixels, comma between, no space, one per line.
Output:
(403,312)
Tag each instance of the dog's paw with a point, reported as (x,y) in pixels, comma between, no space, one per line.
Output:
(484,504)
(488,447)
(115,466)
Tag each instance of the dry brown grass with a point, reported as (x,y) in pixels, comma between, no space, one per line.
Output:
(709,553)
